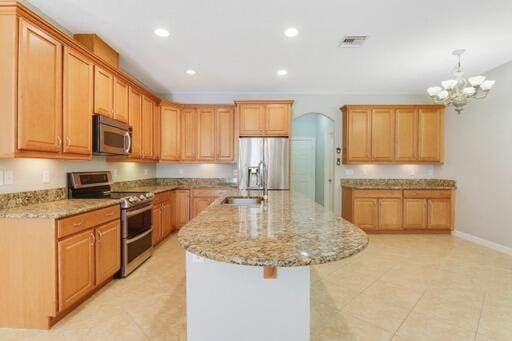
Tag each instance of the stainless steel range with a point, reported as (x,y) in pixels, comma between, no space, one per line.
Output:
(136,217)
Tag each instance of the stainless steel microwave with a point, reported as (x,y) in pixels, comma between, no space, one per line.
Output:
(111,137)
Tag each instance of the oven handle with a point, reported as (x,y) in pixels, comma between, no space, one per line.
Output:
(141,210)
(129,241)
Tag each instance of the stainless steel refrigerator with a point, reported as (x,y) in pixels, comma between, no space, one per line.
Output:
(274,152)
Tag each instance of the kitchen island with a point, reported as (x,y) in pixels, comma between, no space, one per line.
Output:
(251,264)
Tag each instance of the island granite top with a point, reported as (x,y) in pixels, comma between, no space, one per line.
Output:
(287,230)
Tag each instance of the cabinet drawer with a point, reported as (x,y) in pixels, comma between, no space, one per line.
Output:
(81,222)
(161,197)
(377,193)
(443,193)
(209,192)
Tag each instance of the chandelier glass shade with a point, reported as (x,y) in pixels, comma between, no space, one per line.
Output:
(458,91)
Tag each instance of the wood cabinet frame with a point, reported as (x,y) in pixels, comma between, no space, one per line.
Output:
(255,117)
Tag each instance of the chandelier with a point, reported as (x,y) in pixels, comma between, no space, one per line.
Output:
(457,91)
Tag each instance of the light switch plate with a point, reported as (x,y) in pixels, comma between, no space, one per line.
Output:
(8,177)
(46,177)
(349,172)
(1,178)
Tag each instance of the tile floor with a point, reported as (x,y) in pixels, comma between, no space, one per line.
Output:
(411,287)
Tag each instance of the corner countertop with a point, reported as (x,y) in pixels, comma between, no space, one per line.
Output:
(163,188)
(287,230)
(399,183)
(57,209)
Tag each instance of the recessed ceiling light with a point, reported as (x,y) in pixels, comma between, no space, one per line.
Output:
(191,72)
(282,72)
(162,32)
(291,32)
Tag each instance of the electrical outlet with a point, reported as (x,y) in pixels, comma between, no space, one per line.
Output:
(146,172)
(1,178)
(180,171)
(349,172)
(46,177)
(235,172)
(8,177)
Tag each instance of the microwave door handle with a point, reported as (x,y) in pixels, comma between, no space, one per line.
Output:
(128,137)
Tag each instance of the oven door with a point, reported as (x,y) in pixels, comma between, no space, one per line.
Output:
(136,251)
(137,220)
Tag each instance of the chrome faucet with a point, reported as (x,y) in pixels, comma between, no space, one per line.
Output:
(262,168)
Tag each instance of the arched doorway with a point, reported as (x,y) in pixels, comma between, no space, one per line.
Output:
(312,147)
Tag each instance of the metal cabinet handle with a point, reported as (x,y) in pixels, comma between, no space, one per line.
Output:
(59,141)
(68,141)
(78,224)
(98,237)
(93,238)
(110,214)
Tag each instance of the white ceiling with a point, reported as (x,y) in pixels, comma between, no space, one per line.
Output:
(238,45)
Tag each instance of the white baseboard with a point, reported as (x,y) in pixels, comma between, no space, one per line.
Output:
(483,242)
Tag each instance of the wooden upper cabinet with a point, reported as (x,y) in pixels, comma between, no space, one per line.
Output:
(188,134)
(264,118)
(103,92)
(206,134)
(76,268)
(39,90)
(108,250)
(225,135)
(121,94)
(78,97)
(170,133)
(147,128)
(393,134)
(383,134)
(431,135)
(357,135)
(277,119)
(252,119)
(157,123)
(406,135)
(135,121)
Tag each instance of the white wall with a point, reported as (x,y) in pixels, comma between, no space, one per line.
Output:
(327,104)
(28,173)
(478,155)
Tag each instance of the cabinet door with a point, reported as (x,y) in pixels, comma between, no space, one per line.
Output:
(157,128)
(406,135)
(121,94)
(103,92)
(108,250)
(75,268)
(225,135)
(188,134)
(147,128)
(365,213)
(198,204)
(166,219)
(439,214)
(383,134)
(206,134)
(277,119)
(78,101)
(39,90)
(157,224)
(252,119)
(390,214)
(170,134)
(415,213)
(135,119)
(431,135)
(358,135)
(182,214)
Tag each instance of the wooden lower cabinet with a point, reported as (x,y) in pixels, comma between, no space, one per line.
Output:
(157,223)
(162,216)
(202,198)
(76,268)
(399,210)
(182,207)
(366,213)
(108,250)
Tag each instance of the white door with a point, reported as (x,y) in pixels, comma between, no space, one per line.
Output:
(303,166)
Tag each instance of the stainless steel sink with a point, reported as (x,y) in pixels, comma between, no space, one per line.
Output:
(242,201)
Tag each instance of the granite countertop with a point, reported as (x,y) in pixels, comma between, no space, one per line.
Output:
(57,209)
(399,183)
(287,230)
(162,188)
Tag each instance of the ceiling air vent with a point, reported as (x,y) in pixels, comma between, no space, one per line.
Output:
(352,41)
